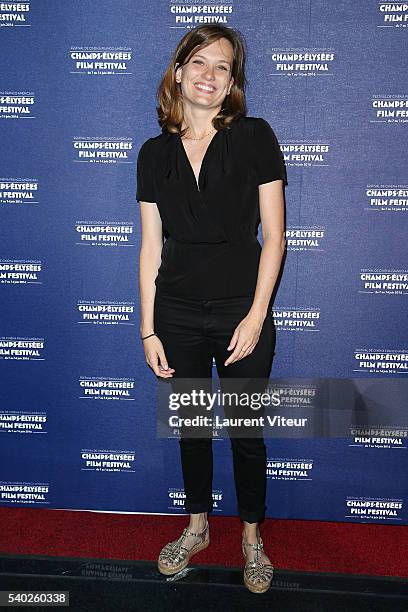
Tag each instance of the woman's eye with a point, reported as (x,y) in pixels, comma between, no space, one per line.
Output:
(200,62)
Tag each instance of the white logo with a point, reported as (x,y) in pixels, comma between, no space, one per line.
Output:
(306,154)
(21,349)
(108,388)
(392,14)
(17,104)
(289,469)
(192,13)
(18,191)
(107,460)
(20,272)
(18,421)
(387,361)
(104,233)
(387,198)
(296,319)
(15,14)
(102,150)
(100,61)
(380,508)
(34,493)
(379,437)
(389,108)
(106,313)
(384,282)
(295,395)
(304,238)
(302,62)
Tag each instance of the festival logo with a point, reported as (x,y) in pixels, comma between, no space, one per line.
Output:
(383,282)
(389,108)
(24,493)
(101,61)
(23,422)
(18,191)
(107,460)
(299,62)
(294,395)
(98,312)
(177,497)
(15,14)
(17,104)
(103,150)
(107,570)
(374,508)
(107,388)
(305,153)
(305,238)
(21,348)
(192,13)
(381,361)
(387,198)
(289,469)
(378,437)
(392,14)
(105,233)
(296,319)
(20,272)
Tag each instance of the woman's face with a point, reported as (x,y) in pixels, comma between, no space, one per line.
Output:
(206,78)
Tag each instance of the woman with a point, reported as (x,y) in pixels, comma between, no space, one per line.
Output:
(205,183)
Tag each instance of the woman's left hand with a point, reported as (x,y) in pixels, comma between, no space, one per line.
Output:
(245,337)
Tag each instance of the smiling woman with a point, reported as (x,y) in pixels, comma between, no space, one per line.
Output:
(205,184)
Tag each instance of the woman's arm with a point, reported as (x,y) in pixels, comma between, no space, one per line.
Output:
(271,205)
(149,263)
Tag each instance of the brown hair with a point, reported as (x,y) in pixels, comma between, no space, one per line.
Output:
(169,97)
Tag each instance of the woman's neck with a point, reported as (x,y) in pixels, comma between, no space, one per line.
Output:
(199,124)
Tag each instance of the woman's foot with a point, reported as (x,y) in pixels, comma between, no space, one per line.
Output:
(176,555)
(258,570)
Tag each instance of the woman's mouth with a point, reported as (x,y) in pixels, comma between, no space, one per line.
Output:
(204,88)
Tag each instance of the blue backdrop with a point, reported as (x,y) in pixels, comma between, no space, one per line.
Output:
(78,401)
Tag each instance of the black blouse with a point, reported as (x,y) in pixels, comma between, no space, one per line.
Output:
(211,248)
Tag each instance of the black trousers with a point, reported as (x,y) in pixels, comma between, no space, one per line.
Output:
(192,332)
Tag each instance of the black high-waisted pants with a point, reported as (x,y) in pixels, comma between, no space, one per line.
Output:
(192,331)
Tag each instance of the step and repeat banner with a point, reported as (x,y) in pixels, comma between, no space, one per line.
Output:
(78,401)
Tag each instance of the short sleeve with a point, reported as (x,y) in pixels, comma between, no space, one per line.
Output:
(145,190)
(269,160)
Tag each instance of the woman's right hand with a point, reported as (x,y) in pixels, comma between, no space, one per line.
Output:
(156,358)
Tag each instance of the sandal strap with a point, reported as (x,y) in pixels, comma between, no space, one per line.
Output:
(175,551)
(258,547)
(186,532)
(197,535)
(255,546)
(257,565)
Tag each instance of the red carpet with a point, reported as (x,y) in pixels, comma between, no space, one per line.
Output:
(291,544)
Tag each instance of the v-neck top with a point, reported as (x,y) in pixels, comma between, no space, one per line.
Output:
(211,249)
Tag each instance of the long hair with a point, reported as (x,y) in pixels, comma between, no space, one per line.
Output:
(169,96)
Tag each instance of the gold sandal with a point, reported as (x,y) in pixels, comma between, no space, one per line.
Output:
(257,575)
(174,556)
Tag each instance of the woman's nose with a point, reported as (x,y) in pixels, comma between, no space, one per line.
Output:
(209,72)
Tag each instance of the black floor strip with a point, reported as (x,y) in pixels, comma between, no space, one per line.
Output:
(121,586)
